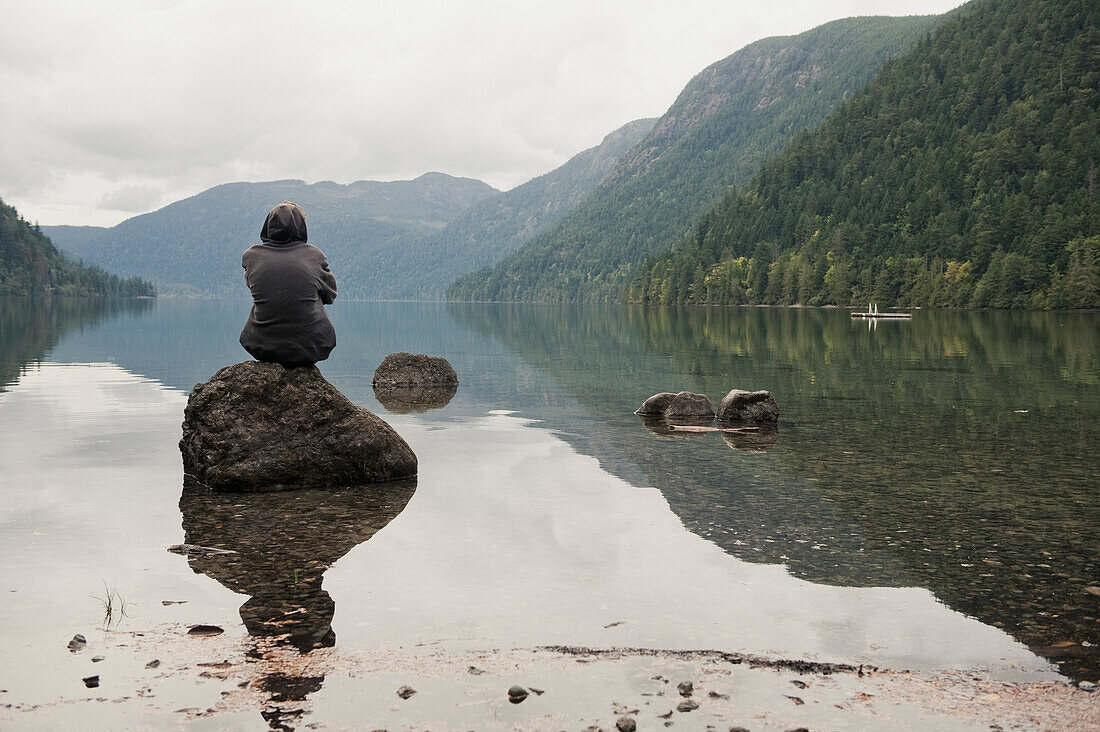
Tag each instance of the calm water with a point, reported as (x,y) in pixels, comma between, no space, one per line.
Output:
(928,501)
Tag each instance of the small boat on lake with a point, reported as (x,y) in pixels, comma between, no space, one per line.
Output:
(872,312)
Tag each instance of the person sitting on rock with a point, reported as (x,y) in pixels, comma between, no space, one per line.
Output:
(290,283)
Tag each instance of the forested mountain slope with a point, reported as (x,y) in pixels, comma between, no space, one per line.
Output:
(194,246)
(501,223)
(726,122)
(31,265)
(964,175)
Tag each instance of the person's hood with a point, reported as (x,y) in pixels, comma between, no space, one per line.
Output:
(286,224)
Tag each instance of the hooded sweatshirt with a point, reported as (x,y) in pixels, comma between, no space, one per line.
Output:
(290,283)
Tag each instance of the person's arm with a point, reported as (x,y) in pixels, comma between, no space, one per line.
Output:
(327,287)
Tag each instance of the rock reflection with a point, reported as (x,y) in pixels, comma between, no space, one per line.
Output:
(410,399)
(666,428)
(282,543)
(752,439)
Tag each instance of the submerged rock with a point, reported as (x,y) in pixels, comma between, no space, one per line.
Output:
(413,399)
(748,406)
(684,405)
(414,369)
(261,426)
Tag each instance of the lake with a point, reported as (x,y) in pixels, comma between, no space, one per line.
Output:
(928,501)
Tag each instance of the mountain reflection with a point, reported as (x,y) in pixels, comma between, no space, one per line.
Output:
(911,454)
(283,542)
(31,326)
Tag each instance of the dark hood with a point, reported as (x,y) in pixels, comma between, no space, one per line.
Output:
(286,224)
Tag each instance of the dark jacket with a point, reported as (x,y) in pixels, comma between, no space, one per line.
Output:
(290,283)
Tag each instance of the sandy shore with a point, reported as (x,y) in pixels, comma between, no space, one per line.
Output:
(165,678)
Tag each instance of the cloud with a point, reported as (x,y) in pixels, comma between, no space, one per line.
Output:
(106,100)
(132,199)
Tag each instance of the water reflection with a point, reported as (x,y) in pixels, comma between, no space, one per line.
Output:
(911,455)
(759,439)
(414,399)
(31,326)
(282,543)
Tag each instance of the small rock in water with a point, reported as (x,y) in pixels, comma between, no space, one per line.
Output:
(748,406)
(153,664)
(626,724)
(666,715)
(797,700)
(677,406)
(686,688)
(97,659)
(203,630)
(517,694)
(536,692)
(687,706)
(405,692)
(716,695)
(91,681)
(799,683)
(77,643)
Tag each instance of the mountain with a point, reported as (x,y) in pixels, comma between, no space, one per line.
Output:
(500,223)
(31,265)
(728,119)
(965,175)
(194,246)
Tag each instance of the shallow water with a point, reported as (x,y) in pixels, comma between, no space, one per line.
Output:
(928,501)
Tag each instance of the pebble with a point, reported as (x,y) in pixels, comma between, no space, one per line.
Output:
(799,683)
(97,659)
(77,643)
(797,700)
(517,694)
(91,681)
(626,724)
(153,664)
(1086,686)
(686,688)
(686,706)
(474,671)
(405,692)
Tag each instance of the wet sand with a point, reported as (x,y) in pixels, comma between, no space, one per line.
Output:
(234,681)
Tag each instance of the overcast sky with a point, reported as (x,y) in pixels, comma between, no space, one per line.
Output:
(117,107)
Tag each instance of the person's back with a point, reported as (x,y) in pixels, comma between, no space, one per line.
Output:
(290,283)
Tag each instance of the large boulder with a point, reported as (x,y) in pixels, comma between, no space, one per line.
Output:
(414,369)
(748,406)
(684,405)
(261,426)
